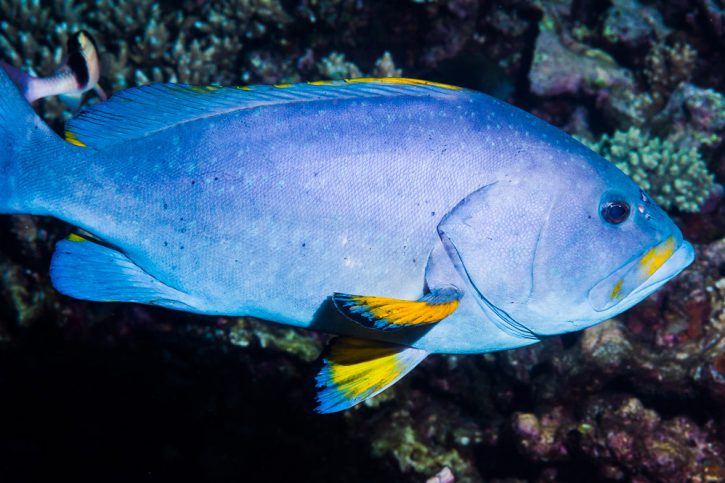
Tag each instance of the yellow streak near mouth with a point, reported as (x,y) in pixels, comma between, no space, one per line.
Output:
(647,266)
(656,257)
(617,290)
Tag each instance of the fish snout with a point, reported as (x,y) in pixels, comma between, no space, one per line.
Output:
(644,273)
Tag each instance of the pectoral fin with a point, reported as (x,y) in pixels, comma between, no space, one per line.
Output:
(356,369)
(383,313)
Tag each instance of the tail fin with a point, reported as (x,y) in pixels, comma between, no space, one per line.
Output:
(27,146)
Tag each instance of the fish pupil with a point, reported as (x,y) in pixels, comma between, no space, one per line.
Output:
(615,212)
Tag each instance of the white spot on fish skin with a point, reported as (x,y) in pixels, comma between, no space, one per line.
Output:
(344,240)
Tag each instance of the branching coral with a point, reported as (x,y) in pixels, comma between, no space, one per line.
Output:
(674,177)
(385,67)
(335,66)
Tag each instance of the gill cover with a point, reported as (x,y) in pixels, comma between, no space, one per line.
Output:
(492,236)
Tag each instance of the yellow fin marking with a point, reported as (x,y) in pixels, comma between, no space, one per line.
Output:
(204,89)
(405,312)
(359,366)
(402,80)
(657,256)
(282,86)
(321,83)
(76,238)
(357,369)
(71,138)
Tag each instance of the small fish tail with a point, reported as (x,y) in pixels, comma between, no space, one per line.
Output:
(27,147)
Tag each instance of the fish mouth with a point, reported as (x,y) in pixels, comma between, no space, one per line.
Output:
(641,276)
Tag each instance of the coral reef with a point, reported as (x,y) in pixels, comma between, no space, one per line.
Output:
(158,392)
(334,66)
(560,67)
(673,176)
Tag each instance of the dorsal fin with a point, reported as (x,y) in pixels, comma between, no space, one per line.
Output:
(140,111)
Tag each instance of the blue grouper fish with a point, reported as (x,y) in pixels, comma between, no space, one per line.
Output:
(408,217)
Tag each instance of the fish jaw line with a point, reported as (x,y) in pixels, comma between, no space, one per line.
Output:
(639,274)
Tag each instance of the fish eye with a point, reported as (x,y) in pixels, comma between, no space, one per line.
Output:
(615,211)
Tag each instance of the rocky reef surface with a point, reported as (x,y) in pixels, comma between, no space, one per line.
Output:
(152,393)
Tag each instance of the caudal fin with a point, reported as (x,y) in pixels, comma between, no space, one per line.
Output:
(27,146)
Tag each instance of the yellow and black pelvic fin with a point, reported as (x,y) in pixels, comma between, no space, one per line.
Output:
(384,313)
(357,369)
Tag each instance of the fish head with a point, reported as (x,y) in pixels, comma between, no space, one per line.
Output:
(562,246)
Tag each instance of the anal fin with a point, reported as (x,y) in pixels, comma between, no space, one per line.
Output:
(357,369)
(86,270)
(383,313)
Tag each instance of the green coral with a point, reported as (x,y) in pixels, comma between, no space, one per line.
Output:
(415,455)
(248,331)
(675,177)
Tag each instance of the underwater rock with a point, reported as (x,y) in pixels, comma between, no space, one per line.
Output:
(537,438)
(694,116)
(632,25)
(573,69)
(247,331)
(636,443)
(24,301)
(668,66)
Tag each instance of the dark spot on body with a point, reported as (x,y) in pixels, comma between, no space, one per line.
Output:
(166,243)
(304,245)
(166,206)
(181,247)
(193,182)
(183,230)
(432,213)
(216,178)
(181,219)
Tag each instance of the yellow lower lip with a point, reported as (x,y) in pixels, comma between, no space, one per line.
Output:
(645,268)
(656,257)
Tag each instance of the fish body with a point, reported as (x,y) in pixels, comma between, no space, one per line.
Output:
(269,201)
(79,73)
